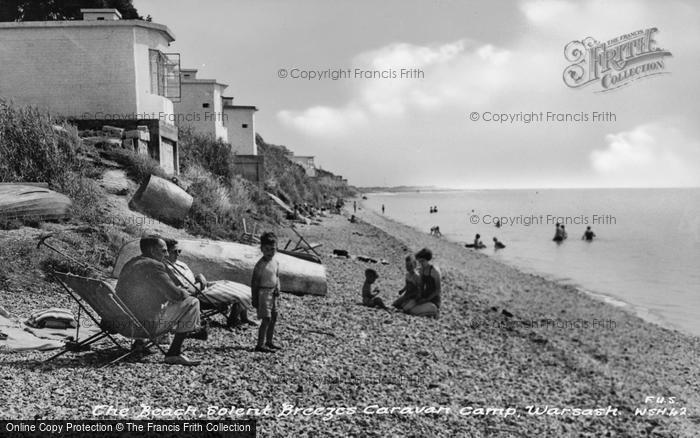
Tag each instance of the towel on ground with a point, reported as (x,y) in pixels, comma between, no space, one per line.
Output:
(55,317)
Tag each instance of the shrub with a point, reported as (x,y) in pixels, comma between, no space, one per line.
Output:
(212,154)
(138,167)
(36,147)
(32,150)
(218,208)
(86,195)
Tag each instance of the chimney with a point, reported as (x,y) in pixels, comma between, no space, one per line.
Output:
(188,73)
(228,101)
(101,14)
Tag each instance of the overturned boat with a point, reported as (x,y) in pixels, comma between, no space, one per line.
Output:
(32,201)
(219,260)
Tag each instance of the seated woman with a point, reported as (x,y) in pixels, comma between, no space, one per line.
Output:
(428,301)
(411,288)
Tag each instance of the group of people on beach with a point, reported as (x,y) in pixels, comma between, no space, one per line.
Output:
(422,289)
(164,295)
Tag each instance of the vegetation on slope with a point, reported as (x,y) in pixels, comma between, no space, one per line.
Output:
(37,147)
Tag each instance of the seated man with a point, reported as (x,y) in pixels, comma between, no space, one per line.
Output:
(157,302)
(221,293)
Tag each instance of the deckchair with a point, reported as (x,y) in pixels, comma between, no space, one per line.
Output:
(115,316)
(249,237)
(302,245)
(207,307)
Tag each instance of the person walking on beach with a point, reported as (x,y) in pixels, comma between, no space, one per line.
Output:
(265,288)
(354,206)
(564,234)
(428,302)
(369,297)
(382,208)
(588,235)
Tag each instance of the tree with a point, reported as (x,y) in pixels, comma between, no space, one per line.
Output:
(48,10)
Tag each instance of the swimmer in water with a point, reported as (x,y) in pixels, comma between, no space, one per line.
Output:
(497,244)
(558,236)
(588,235)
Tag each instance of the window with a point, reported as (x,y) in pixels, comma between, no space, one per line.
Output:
(245,125)
(165,74)
(205,105)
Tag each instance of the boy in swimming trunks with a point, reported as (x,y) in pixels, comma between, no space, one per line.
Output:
(265,288)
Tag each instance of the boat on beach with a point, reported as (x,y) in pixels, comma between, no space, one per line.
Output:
(219,260)
(32,201)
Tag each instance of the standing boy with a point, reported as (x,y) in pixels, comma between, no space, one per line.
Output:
(265,288)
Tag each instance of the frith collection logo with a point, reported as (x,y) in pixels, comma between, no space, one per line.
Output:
(614,63)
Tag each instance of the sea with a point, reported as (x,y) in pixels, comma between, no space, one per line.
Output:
(645,256)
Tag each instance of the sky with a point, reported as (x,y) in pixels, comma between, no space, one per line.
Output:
(470,59)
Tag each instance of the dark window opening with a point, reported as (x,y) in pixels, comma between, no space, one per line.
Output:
(245,125)
(100,18)
(205,105)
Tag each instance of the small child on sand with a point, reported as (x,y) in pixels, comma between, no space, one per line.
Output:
(369,297)
(265,289)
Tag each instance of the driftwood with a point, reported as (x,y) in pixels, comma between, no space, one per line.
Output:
(162,200)
(32,201)
(219,260)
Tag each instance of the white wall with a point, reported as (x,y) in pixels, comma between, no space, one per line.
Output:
(75,71)
(149,101)
(242,139)
(189,112)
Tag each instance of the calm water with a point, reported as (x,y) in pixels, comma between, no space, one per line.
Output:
(646,254)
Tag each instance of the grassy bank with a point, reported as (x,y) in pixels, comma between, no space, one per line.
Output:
(38,147)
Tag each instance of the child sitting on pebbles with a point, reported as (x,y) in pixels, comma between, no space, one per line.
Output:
(369,297)
(411,289)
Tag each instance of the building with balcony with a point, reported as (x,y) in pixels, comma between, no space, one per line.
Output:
(98,68)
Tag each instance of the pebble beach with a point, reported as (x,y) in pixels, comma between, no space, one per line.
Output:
(512,354)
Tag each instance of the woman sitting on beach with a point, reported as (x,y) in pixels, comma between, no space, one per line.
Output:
(411,289)
(428,301)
